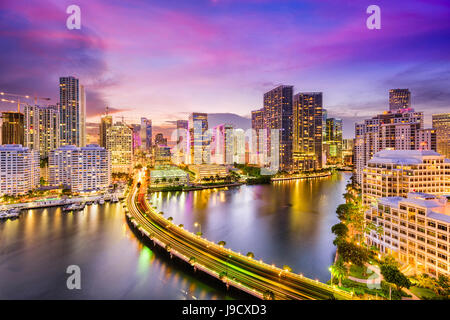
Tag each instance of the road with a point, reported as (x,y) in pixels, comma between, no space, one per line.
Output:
(245,273)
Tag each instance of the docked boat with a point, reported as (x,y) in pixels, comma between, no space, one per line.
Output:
(10,214)
(101,201)
(74,207)
(114,199)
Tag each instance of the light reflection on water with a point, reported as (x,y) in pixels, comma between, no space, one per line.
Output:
(286,223)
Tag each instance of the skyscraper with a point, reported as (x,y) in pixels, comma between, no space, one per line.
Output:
(394,131)
(146,134)
(399,99)
(119,141)
(181,150)
(333,140)
(72,112)
(307,131)
(41,128)
(278,116)
(83,137)
(105,123)
(160,140)
(258,138)
(199,138)
(441,122)
(13,128)
(222,144)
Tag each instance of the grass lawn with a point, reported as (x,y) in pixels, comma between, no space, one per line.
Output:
(358,272)
(423,292)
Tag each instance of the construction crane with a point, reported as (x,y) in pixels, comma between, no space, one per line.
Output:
(18,96)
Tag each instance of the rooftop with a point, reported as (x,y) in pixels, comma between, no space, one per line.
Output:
(437,207)
(405,157)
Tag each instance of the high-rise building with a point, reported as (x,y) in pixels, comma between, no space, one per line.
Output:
(308,131)
(222,146)
(146,134)
(390,130)
(399,99)
(160,140)
(199,138)
(441,122)
(333,140)
(13,128)
(72,112)
(41,128)
(181,149)
(105,123)
(347,151)
(427,139)
(394,173)
(80,169)
(119,141)
(258,142)
(83,136)
(19,169)
(278,117)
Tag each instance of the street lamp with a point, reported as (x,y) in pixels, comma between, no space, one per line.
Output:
(199,226)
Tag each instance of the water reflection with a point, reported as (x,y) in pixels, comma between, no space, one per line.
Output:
(288,222)
(36,249)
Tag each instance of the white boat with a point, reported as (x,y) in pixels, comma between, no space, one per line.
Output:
(74,207)
(114,199)
(101,201)
(13,213)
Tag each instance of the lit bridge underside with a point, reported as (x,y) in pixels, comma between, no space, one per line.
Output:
(247,274)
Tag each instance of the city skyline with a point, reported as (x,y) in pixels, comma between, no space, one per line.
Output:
(217,61)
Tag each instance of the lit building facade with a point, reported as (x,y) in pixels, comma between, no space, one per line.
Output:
(308,131)
(203,171)
(277,116)
(415,230)
(19,169)
(394,131)
(222,146)
(119,141)
(441,123)
(259,138)
(105,123)
(180,152)
(348,146)
(13,124)
(333,141)
(399,99)
(41,128)
(80,169)
(199,138)
(395,173)
(72,112)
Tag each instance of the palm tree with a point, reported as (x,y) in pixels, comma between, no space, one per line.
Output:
(339,270)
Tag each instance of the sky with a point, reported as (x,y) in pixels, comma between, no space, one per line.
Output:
(163,59)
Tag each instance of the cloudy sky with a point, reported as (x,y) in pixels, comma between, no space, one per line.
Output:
(163,58)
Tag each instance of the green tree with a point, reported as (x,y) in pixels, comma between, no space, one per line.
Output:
(250,254)
(393,275)
(340,230)
(353,253)
(339,270)
(221,243)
